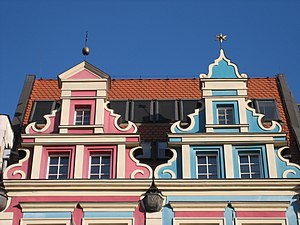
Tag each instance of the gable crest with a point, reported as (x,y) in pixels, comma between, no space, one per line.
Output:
(223,68)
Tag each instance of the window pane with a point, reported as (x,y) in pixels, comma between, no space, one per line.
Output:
(82,115)
(64,160)
(250,166)
(54,160)
(142,111)
(201,160)
(189,107)
(105,176)
(212,160)
(39,109)
(268,108)
(202,169)
(94,176)
(119,107)
(244,168)
(225,114)
(53,169)
(52,177)
(256,175)
(100,167)
(105,169)
(213,176)
(212,169)
(166,111)
(243,159)
(58,167)
(255,168)
(95,170)
(207,166)
(63,176)
(63,170)
(245,176)
(105,160)
(95,160)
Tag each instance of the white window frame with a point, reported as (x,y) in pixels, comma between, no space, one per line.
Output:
(225,107)
(261,221)
(249,163)
(58,155)
(207,174)
(45,221)
(90,165)
(83,110)
(123,221)
(197,221)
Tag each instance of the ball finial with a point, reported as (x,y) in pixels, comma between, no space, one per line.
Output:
(86,51)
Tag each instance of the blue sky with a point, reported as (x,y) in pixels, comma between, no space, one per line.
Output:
(148,39)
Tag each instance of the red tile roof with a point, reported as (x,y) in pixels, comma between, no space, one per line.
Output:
(42,90)
(162,89)
(155,89)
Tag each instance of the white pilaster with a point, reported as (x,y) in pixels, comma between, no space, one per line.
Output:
(65,112)
(186,162)
(154,218)
(36,162)
(271,161)
(121,153)
(228,161)
(78,165)
(99,114)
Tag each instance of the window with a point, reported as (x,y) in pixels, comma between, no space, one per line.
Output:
(58,167)
(162,148)
(82,115)
(166,111)
(41,108)
(149,111)
(250,165)
(121,108)
(225,114)
(188,107)
(142,111)
(207,165)
(99,167)
(268,107)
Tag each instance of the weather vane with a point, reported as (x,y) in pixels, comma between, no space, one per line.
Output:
(86,50)
(221,38)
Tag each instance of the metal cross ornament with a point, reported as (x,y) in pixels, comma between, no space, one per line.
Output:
(221,38)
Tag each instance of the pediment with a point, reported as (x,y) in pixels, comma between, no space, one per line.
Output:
(83,71)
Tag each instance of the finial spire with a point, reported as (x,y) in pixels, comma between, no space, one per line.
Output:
(221,38)
(86,50)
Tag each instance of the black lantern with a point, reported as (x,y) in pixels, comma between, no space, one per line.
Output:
(153,200)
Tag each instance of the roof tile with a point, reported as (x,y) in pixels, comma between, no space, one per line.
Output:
(125,89)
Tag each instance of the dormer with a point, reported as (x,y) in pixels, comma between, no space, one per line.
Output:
(83,95)
(225,92)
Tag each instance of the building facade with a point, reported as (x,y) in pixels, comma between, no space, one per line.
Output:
(221,149)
